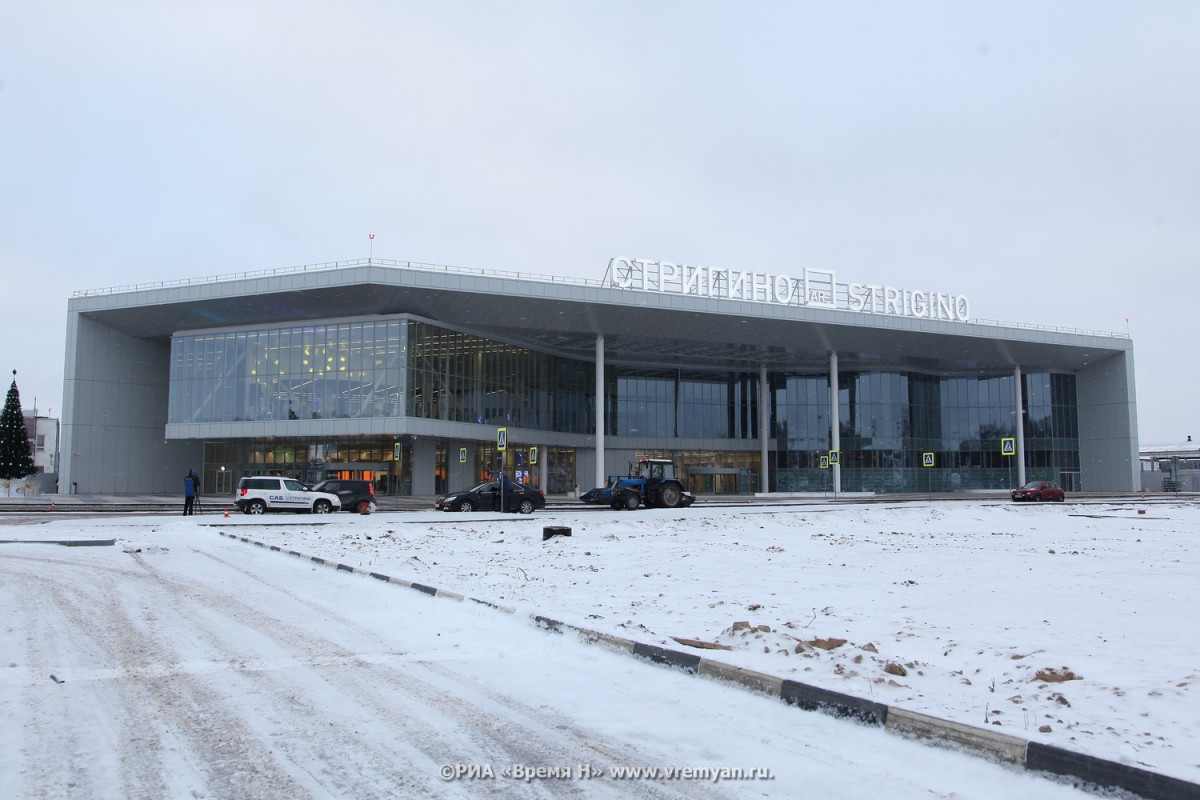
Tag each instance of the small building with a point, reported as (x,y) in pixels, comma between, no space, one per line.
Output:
(1170,467)
(43,445)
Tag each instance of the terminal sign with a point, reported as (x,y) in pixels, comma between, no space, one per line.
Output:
(818,288)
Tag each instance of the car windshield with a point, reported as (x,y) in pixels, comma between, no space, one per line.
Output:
(1033,485)
(482,487)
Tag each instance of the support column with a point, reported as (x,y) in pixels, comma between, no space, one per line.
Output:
(835,434)
(599,411)
(764,426)
(424,466)
(542,470)
(1020,426)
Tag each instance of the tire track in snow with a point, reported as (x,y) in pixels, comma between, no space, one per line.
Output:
(170,733)
(449,705)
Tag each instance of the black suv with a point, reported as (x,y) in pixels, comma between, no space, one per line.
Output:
(353,494)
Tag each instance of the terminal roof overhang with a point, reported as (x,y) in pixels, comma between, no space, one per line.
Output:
(639,328)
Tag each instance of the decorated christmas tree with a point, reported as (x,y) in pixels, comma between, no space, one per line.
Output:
(15,459)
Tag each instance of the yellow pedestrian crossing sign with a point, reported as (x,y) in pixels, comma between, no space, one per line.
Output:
(502,439)
(834,457)
(533,454)
(824,462)
(1008,447)
(462,455)
(927,459)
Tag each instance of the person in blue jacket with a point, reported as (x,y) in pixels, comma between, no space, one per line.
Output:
(191,489)
(506,489)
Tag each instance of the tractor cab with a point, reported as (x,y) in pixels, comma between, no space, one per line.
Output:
(656,469)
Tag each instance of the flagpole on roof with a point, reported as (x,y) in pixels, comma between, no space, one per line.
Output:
(371,251)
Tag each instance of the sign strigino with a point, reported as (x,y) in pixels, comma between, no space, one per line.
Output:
(817,289)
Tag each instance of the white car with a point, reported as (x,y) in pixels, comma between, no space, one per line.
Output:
(263,493)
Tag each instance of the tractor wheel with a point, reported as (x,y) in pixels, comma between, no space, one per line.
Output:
(631,501)
(669,496)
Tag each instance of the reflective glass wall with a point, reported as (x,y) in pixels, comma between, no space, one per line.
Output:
(352,369)
(383,460)
(1051,429)
(681,404)
(463,378)
(800,432)
(384,368)
(888,421)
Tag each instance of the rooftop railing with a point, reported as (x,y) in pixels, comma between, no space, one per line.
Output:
(332,265)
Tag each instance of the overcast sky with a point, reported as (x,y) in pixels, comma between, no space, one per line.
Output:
(1041,158)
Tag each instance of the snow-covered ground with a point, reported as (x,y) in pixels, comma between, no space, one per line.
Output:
(1080,619)
(1070,624)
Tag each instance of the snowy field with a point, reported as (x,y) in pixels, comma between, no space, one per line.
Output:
(1075,625)
(1069,624)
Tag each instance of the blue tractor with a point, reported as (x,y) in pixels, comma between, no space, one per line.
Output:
(653,484)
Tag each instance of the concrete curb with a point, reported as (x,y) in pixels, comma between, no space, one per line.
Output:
(1001,746)
(1083,771)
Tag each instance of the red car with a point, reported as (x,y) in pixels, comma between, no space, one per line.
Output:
(1040,491)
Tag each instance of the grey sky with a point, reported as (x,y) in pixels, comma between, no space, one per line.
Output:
(1040,158)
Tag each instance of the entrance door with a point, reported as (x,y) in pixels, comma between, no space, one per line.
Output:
(224,482)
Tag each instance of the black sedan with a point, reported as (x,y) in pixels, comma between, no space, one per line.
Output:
(1040,491)
(486,497)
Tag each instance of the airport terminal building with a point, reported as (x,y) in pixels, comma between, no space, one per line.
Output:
(428,378)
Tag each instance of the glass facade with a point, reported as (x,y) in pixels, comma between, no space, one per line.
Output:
(389,368)
(403,367)
(800,412)
(682,404)
(463,378)
(888,421)
(1051,429)
(384,461)
(352,369)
